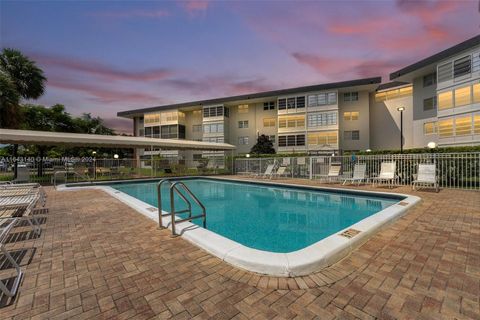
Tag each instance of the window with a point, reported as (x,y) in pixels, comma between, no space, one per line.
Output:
(243,108)
(445,100)
(353,115)
(282,104)
(445,72)
(322,99)
(291,140)
(300,102)
(321,119)
(213,139)
(171,116)
(351,135)
(445,128)
(269,105)
(291,103)
(476,124)
(271,138)
(476,62)
(152,118)
(291,122)
(323,138)
(148,132)
(476,93)
(197,156)
(393,94)
(463,96)
(213,128)
(462,67)
(156,132)
(243,124)
(350,96)
(430,104)
(463,126)
(429,79)
(242,140)
(269,122)
(430,128)
(197,128)
(173,131)
(216,111)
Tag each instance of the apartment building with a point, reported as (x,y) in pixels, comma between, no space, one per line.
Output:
(445,105)
(439,96)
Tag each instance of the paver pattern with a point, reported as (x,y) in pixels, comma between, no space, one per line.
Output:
(99,259)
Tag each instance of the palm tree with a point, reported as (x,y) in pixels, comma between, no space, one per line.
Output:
(19,78)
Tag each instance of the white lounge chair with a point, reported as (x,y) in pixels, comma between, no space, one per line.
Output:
(281,171)
(426,175)
(6,225)
(333,172)
(358,174)
(387,173)
(268,172)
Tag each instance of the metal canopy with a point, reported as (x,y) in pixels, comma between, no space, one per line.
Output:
(86,140)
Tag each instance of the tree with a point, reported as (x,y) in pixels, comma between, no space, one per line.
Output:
(263,146)
(19,78)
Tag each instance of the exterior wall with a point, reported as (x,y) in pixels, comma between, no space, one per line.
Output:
(421,116)
(385,123)
(362,106)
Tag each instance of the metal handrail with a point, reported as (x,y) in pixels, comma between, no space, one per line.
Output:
(173,188)
(65,174)
(159,203)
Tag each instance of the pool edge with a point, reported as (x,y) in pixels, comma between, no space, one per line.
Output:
(298,263)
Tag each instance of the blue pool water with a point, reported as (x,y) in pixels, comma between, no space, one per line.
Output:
(270,218)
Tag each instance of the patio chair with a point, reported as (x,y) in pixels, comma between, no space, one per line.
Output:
(23,174)
(333,172)
(268,172)
(359,172)
(387,173)
(281,172)
(6,225)
(426,175)
(21,189)
(20,207)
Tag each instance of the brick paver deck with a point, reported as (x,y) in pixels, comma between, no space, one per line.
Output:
(97,258)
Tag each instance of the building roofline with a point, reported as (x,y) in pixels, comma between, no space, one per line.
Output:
(325,86)
(437,57)
(391,85)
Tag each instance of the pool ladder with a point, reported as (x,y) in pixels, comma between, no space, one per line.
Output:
(174,189)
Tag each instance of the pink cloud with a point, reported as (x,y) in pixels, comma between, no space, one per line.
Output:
(99,69)
(101,94)
(195,6)
(154,14)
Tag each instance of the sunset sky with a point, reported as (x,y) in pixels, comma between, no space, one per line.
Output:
(106,56)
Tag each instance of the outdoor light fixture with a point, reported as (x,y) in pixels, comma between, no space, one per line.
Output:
(401,109)
(368,150)
(247,155)
(431,145)
(94,152)
(115,156)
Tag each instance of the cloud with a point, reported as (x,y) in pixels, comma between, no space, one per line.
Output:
(152,14)
(343,68)
(98,69)
(101,94)
(121,125)
(194,7)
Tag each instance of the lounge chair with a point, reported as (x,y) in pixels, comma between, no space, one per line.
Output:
(20,207)
(387,173)
(358,174)
(20,189)
(268,172)
(333,172)
(426,176)
(281,171)
(6,226)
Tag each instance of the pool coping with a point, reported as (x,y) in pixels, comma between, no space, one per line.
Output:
(302,262)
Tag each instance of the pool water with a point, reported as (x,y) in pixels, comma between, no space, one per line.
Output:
(271,218)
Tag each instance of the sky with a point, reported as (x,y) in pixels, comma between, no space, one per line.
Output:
(103,57)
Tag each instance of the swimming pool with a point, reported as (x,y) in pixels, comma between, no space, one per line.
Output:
(267,227)
(271,218)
